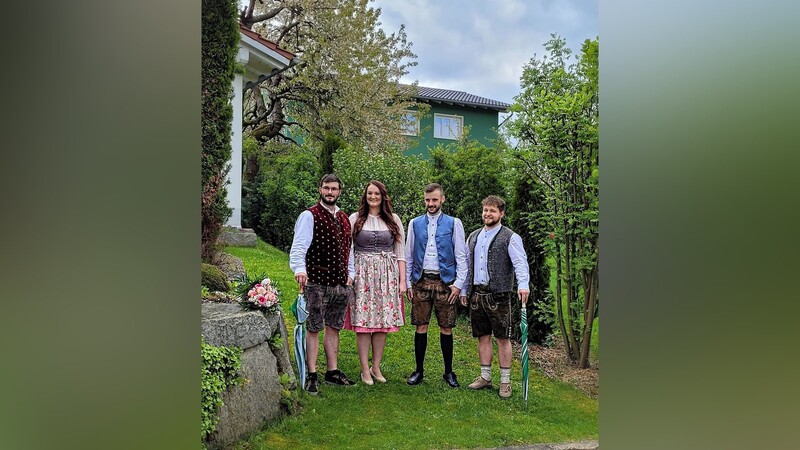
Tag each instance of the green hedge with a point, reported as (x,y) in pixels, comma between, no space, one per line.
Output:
(220,37)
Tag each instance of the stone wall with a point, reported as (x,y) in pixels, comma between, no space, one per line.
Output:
(246,407)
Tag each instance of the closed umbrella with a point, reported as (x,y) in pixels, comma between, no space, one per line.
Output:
(300,314)
(523,326)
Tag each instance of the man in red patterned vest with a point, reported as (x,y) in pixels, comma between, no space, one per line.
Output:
(321,251)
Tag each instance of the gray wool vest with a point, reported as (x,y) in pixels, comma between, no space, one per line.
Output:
(501,269)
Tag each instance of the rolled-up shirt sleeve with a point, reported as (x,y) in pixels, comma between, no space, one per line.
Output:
(303,235)
(520,261)
(460,247)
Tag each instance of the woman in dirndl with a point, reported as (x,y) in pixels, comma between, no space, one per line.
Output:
(380,278)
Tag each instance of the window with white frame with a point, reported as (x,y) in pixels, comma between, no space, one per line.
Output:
(447,127)
(410,124)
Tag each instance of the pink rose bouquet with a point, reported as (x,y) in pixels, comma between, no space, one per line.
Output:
(262,295)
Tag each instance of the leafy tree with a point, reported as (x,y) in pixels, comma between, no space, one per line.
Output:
(526,199)
(405,178)
(557,128)
(468,172)
(220,36)
(330,145)
(284,187)
(346,83)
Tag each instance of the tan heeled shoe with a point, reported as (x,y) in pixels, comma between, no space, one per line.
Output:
(379,379)
(365,381)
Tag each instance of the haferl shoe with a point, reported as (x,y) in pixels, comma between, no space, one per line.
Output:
(312,384)
(338,377)
(451,380)
(505,390)
(415,378)
(480,383)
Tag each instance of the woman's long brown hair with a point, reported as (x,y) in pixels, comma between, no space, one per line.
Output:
(385,213)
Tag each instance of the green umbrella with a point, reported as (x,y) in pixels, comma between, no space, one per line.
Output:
(301,314)
(523,326)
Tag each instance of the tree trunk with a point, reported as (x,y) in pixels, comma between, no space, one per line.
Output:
(559,305)
(573,345)
(590,300)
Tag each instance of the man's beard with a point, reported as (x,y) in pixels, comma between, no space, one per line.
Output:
(491,224)
(327,203)
(438,208)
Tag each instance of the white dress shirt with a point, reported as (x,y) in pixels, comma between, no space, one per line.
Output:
(431,258)
(303,235)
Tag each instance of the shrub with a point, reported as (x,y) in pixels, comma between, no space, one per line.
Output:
(405,178)
(213,278)
(468,172)
(220,35)
(219,371)
(284,186)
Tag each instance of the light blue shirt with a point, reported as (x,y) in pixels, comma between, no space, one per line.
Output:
(515,251)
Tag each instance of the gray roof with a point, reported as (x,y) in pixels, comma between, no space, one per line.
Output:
(458,98)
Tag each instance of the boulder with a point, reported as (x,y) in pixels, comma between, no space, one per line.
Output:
(248,406)
(229,325)
(230,265)
(238,237)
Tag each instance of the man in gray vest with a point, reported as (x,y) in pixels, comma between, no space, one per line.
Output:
(436,253)
(494,254)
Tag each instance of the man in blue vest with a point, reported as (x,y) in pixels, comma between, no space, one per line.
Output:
(320,256)
(436,252)
(495,255)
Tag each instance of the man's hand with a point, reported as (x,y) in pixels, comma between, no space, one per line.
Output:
(523,295)
(463,299)
(454,291)
(302,279)
(349,281)
(410,293)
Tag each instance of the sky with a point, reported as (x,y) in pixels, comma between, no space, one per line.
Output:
(481,46)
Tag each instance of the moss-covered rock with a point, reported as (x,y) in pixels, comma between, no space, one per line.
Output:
(213,278)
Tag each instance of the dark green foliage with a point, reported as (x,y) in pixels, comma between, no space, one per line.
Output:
(213,278)
(220,35)
(219,371)
(285,185)
(330,145)
(525,199)
(468,172)
(405,178)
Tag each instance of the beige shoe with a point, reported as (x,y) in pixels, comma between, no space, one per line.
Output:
(480,383)
(505,390)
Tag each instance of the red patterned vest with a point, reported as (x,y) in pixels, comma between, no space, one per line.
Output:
(326,259)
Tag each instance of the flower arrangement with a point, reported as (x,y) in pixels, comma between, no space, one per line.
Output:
(260,294)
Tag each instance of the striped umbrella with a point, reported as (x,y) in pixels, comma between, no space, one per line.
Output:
(523,326)
(301,314)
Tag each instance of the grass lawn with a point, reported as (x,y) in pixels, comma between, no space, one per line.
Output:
(430,415)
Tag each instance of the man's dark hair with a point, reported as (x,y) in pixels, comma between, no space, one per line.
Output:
(434,187)
(330,178)
(494,200)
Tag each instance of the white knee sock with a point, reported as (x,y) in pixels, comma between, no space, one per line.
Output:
(486,373)
(505,375)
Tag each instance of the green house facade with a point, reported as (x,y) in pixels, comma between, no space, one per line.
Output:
(451,112)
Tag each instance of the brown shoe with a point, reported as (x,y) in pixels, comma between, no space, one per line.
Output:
(480,383)
(505,390)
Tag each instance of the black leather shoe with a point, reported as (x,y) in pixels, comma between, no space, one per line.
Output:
(415,378)
(450,378)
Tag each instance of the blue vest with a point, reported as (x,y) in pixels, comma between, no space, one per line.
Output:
(444,247)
